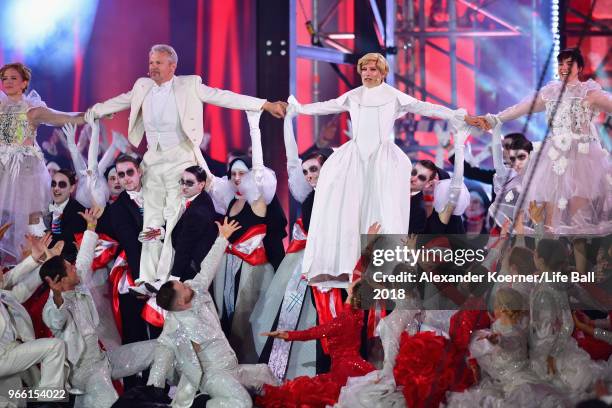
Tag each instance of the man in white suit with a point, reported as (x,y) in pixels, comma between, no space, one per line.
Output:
(169,110)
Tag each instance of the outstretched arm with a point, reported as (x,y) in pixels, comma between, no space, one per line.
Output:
(42,115)
(227,99)
(534,103)
(601,100)
(113,105)
(337,105)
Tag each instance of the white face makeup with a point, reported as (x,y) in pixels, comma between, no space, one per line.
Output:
(190,186)
(311,169)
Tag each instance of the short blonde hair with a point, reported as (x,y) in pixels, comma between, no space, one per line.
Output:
(381,63)
(510,301)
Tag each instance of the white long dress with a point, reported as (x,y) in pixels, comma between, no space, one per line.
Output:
(366,180)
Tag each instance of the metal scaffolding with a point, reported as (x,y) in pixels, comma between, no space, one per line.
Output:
(405,30)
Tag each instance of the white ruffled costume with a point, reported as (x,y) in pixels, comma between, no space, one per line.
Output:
(507,381)
(24,179)
(573,171)
(551,327)
(364,181)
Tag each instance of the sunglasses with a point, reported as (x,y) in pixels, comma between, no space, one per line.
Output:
(129,173)
(421,177)
(61,184)
(187,183)
(520,157)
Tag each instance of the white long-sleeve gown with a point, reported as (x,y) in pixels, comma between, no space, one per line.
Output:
(366,180)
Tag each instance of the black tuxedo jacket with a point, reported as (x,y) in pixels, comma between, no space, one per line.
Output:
(70,223)
(126,223)
(418,214)
(193,236)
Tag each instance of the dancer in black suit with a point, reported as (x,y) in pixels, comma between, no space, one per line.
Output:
(63,218)
(195,231)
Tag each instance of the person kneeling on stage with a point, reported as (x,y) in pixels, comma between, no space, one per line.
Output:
(71,315)
(193,337)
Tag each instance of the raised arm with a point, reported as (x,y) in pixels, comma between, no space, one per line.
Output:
(19,273)
(94,147)
(86,253)
(209,266)
(298,185)
(259,185)
(77,159)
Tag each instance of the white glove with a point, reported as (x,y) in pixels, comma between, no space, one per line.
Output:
(69,130)
(119,141)
(90,116)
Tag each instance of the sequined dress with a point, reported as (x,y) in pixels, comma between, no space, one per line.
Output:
(24,180)
(343,335)
(573,172)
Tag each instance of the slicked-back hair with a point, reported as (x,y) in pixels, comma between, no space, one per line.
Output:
(52,268)
(198,172)
(126,158)
(70,175)
(165,296)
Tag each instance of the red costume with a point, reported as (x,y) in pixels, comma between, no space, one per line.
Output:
(343,336)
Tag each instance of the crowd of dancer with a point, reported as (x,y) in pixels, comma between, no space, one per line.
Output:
(131,281)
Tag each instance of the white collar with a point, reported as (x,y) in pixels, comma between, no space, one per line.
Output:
(164,86)
(188,200)
(58,209)
(136,196)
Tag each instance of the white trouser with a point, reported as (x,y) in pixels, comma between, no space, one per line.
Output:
(50,353)
(226,387)
(161,193)
(121,362)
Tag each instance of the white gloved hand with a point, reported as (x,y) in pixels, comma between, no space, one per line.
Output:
(69,130)
(90,116)
(119,141)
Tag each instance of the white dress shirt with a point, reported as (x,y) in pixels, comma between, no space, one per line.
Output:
(161,119)
(58,209)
